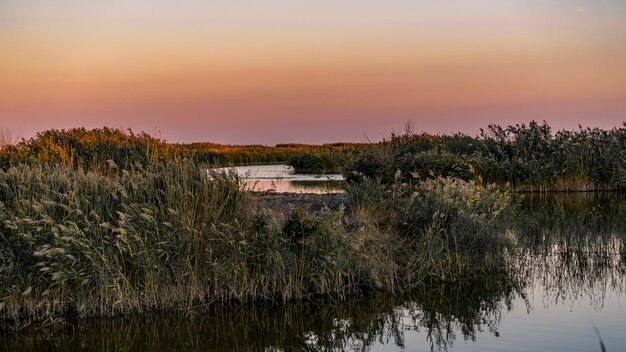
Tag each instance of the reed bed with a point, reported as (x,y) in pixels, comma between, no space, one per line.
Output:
(449,229)
(165,236)
(105,222)
(90,148)
(318,163)
(521,158)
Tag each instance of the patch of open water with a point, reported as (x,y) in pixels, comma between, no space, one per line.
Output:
(281,178)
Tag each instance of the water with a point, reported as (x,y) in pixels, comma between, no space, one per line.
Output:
(570,279)
(280,178)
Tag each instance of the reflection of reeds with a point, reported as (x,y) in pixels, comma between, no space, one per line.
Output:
(323,185)
(318,325)
(574,245)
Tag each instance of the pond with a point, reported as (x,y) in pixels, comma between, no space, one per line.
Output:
(567,293)
(281,178)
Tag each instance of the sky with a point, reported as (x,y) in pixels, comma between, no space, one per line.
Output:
(277,71)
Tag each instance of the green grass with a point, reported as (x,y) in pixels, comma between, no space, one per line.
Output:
(90,149)
(318,163)
(525,158)
(166,236)
(103,222)
(330,154)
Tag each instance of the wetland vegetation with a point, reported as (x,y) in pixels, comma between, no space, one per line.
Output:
(168,237)
(521,157)
(569,274)
(106,223)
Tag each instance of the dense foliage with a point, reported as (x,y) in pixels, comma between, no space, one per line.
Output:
(90,149)
(450,229)
(527,157)
(101,222)
(87,148)
(260,154)
(325,162)
(167,236)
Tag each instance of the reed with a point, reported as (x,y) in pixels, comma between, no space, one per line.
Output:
(318,163)
(166,236)
(448,229)
(90,148)
(104,222)
(521,157)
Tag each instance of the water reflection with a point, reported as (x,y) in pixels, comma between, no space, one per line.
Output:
(573,246)
(280,178)
(567,276)
(357,325)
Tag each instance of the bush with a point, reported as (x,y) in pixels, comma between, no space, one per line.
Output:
(87,148)
(311,163)
(526,157)
(449,229)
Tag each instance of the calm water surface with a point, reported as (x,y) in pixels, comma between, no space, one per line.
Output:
(281,178)
(568,278)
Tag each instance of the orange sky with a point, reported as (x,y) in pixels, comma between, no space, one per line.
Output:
(274,71)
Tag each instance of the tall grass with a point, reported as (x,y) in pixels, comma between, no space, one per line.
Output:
(93,243)
(166,236)
(324,162)
(90,148)
(449,229)
(526,157)
(102,222)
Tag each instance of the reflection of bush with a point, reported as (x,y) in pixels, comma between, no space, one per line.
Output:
(321,325)
(574,244)
(316,185)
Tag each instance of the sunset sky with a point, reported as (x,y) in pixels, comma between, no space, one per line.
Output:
(320,71)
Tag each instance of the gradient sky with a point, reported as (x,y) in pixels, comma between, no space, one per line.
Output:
(319,71)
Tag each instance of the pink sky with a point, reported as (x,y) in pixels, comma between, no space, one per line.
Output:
(279,71)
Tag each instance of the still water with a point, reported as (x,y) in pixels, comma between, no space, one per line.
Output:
(566,281)
(281,178)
